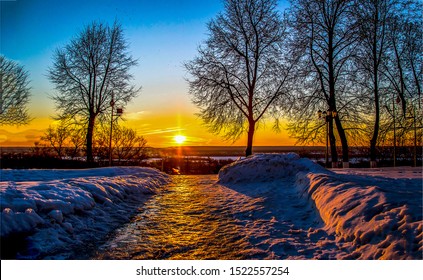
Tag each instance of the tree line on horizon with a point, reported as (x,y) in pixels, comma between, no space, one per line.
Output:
(348,72)
(66,140)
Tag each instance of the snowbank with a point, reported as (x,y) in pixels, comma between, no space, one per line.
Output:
(81,206)
(19,175)
(376,217)
(267,167)
(382,219)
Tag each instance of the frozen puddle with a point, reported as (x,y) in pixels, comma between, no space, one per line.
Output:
(196,218)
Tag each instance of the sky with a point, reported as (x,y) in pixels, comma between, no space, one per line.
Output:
(162,35)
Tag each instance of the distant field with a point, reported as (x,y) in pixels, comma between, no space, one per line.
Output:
(201,150)
(185,158)
(15,149)
(231,150)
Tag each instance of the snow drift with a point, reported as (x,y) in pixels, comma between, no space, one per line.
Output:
(79,206)
(267,167)
(377,218)
(382,221)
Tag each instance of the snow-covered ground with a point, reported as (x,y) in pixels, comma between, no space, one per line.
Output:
(401,172)
(370,216)
(287,207)
(68,211)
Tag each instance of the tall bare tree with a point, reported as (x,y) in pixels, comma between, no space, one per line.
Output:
(373,17)
(402,68)
(325,38)
(414,58)
(14,93)
(241,71)
(90,72)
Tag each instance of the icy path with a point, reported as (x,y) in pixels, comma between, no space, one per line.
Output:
(195,218)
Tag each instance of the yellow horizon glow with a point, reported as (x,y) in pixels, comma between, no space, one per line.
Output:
(159,131)
(159,127)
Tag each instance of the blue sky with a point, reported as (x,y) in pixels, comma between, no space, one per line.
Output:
(162,35)
(32,26)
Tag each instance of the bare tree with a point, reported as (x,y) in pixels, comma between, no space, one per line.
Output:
(76,140)
(414,58)
(373,17)
(14,93)
(241,72)
(90,72)
(66,138)
(325,38)
(126,143)
(402,69)
(56,137)
(403,53)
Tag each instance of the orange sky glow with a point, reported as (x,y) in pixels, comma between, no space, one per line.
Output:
(162,35)
(159,128)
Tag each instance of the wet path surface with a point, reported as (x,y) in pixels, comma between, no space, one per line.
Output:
(185,221)
(194,218)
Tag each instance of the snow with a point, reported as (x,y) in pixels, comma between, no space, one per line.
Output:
(267,167)
(402,172)
(60,209)
(287,207)
(368,216)
(19,175)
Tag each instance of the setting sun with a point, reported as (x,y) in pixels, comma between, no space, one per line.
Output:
(179,139)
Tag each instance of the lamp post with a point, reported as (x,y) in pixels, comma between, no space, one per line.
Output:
(119,112)
(327,117)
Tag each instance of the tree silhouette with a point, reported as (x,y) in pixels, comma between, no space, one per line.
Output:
(14,93)
(373,17)
(66,138)
(242,70)
(126,143)
(89,73)
(325,36)
(402,72)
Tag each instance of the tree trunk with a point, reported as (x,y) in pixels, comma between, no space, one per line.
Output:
(332,96)
(90,131)
(332,142)
(373,141)
(375,136)
(344,141)
(251,128)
